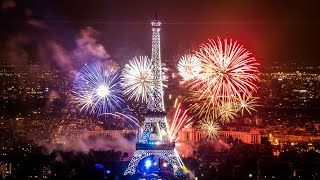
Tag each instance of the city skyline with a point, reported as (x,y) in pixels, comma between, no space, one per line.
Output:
(159,89)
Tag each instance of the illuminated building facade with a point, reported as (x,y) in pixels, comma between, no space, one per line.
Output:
(187,138)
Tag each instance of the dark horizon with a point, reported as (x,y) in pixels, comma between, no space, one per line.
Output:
(272,31)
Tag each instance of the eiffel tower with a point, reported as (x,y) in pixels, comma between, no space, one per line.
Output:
(152,144)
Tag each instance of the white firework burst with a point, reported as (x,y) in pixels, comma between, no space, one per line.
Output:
(247,103)
(189,67)
(210,128)
(137,78)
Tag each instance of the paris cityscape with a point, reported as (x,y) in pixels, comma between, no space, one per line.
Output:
(159,90)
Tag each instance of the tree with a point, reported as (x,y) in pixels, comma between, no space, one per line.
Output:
(230,140)
(125,155)
(192,163)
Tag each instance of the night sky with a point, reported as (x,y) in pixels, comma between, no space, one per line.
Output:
(283,31)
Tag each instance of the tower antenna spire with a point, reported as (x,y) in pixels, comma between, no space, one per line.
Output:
(156,16)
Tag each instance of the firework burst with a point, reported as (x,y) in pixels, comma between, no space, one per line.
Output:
(227,70)
(180,120)
(247,103)
(227,112)
(210,128)
(202,107)
(129,117)
(111,67)
(96,92)
(189,67)
(137,78)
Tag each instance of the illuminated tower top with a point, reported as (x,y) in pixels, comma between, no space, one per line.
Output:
(156,23)
(155,103)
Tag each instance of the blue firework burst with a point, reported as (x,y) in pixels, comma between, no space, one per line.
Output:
(95,91)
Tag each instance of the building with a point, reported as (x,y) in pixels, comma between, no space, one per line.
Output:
(253,121)
(189,136)
(192,135)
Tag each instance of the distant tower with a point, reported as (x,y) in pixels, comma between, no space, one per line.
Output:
(155,139)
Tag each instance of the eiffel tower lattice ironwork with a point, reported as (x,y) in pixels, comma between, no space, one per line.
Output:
(151,144)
